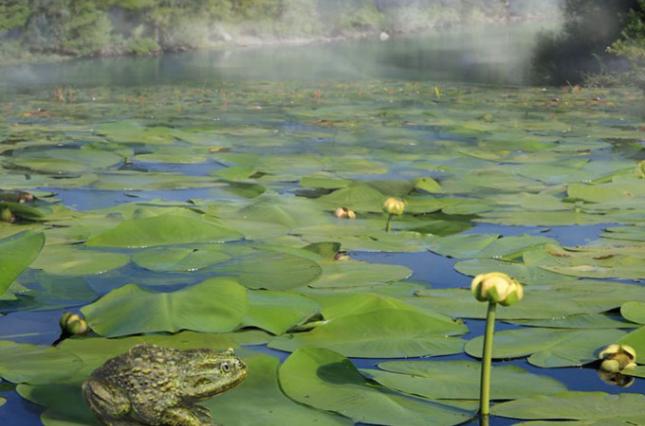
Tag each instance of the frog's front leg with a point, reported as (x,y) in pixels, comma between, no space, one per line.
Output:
(109,403)
(184,416)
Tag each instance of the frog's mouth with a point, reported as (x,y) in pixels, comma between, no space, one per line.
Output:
(239,379)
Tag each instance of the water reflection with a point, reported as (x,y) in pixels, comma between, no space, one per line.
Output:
(498,56)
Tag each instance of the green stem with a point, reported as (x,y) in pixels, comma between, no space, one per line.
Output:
(484,420)
(387,224)
(487,357)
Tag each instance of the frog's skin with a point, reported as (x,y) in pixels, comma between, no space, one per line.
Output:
(153,385)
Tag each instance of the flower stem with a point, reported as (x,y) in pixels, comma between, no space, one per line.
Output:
(387,224)
(487,356)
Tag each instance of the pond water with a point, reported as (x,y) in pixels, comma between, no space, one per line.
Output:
(268,141)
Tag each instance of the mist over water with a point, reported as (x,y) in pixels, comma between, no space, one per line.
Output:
(480,55)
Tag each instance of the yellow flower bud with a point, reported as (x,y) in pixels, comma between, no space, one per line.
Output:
(6,215)
(73,324)
(616,358)
(640,169)
(497,287)
(345,213)
(394,206)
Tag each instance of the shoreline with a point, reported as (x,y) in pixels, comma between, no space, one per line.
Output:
(249,41)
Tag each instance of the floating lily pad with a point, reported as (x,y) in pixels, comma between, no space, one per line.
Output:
(352,273)
(179,259)
(162,230)
(548,348)
(597,407)
(271,270)
(215,305)
(326,380)
(633,311)
(636,339)
(380,333)
(16,254)
(24,363)
(277,311)
(259,401)
(68,260)
(460,380)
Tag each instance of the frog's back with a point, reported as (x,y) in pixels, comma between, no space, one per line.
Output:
(148,375)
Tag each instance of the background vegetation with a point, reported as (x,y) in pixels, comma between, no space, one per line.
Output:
(114,27)
(601,42)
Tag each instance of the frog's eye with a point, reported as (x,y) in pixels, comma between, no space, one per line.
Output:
(225,367)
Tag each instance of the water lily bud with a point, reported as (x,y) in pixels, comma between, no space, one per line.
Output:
(497,287)
(394,206)
(73,324)
(345,213)
(640,169)
(341,256)
(7,216)
(616,358)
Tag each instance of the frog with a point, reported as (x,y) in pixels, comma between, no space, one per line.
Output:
(155,385)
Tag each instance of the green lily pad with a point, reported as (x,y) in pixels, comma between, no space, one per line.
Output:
(24,363)
(68,260)
(179,259)
(215,305)
(548,347)
(633,311)
(359,197)
(352,273)
(597,407)
(271,270)
(277,311)
(64,404)
(540,301)
(67,161)
(460,380)
(259,401)
(16,254)
(380,333)
(326,380)
(162,230)
(635,339)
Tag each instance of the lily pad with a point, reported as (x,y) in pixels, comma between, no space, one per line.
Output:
(271,270)
(179,259)
(68,260)
(598,407)
(215,305)
(460,380)
(326,380)
(162,230)
(548,348)
(633,311)
(259,401)
(16,254)
(25,363)
(636,339)
(277,311)
(380,333)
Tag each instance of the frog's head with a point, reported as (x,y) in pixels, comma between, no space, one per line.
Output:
(208,372)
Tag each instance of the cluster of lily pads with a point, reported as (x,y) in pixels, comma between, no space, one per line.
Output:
(220,217)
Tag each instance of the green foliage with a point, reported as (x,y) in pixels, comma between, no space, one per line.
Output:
(143,46)
(143,27)
(13,14)
(580,47)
